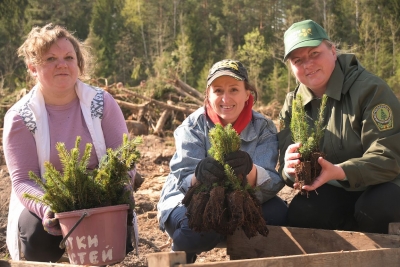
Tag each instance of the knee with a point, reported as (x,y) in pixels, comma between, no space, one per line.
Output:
(195,242)
(275,211)
(185,239)
(42,248)
(36,243)
(377,207)
(300,214)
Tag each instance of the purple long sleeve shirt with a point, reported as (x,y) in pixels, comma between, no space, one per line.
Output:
(65,123)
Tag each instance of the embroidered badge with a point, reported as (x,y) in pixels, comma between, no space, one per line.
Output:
(382,117)
(305,32)
(299,34)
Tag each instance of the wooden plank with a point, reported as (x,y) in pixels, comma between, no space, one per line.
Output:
(283,241)
(11,263)
(165,259)
(388,257)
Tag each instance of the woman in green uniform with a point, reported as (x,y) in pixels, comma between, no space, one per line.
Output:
(358,188)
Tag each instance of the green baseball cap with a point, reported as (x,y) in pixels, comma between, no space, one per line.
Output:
(305,33)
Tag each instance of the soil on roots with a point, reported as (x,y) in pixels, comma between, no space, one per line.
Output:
(253,222)
(307,171)
(224,212)
(235,201)
(215,213)
(196,209)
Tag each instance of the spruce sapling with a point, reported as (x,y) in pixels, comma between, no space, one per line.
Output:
(77,188)
(309,137)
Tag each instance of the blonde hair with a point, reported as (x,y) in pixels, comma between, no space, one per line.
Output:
(39,41)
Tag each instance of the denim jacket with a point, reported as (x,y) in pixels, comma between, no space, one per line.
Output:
(192,143)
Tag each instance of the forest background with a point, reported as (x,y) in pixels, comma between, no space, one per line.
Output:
(156,40)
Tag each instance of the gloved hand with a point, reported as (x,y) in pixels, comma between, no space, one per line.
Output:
(209,171)
(51,224)
(240,161)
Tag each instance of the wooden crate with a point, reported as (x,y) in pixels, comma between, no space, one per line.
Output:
(291,246)
(284,241)
(388,257)
(286,247)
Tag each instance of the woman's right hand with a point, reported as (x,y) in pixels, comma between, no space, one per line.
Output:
(209,171)
(292,158)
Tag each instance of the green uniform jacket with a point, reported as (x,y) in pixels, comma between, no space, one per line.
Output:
(362,134)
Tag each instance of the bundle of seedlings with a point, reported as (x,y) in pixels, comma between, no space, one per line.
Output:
(77,187)
(310,138)
(229,203)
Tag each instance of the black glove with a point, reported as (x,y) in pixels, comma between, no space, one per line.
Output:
(240,161)
(209,171)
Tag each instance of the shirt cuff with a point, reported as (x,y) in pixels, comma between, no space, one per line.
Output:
(291,177)
(262,175)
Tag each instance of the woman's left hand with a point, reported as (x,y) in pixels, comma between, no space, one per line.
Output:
(329,172)
(51,224)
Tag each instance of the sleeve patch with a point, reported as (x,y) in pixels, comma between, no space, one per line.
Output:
(382,117)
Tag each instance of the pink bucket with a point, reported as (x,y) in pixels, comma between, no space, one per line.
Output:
(100,236)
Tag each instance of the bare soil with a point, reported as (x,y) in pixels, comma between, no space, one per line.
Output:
(154,167)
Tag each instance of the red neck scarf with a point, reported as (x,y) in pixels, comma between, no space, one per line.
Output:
(241,122)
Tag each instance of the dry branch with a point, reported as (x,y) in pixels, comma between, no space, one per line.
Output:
(160,104)
(188,89)
(132,106)
(135,94)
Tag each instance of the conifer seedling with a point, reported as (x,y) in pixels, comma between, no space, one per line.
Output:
(229,204)
(77,188)
(310,138)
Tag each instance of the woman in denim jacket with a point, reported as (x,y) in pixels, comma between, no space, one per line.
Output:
(229,99)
